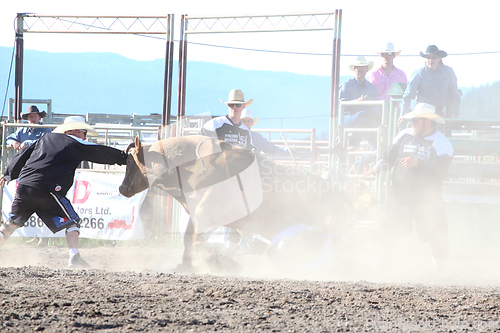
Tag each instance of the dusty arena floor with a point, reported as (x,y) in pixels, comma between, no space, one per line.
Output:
(136,289)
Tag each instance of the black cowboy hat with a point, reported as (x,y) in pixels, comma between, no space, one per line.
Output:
(433,50)
(33,109)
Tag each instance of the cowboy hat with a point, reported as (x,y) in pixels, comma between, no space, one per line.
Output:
(33,109)
(361,61)
(389,49)
(248,114)
(75,123)
(424,110)
(433,50)
(236,97)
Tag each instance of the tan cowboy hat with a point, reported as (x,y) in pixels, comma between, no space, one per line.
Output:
(236,97)
(424,110)
(361,61)
(248,114)
(389,49)
(33,109)
(75,123)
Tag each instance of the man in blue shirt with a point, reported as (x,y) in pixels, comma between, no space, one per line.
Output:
(360,89)
(435,84)
(26,136)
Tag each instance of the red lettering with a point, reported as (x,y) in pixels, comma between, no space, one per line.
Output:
(81,192)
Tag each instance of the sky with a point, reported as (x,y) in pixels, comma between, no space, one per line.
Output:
(367,26)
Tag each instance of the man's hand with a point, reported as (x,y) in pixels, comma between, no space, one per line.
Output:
(16,145)
(373,171)
(2,181)
(409,162)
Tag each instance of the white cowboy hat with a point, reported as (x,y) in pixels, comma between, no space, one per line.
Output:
(361,61)
(424,110)
(73,123)
(389,49)
(236,97)
(248,114)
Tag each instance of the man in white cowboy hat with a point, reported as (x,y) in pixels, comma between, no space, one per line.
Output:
(229,128)
(434,83)
(45,172)
(260,143)
(420,157)
(26,136)
(387,73)
(359,89)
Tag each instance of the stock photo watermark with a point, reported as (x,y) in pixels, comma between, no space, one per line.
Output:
(430,325)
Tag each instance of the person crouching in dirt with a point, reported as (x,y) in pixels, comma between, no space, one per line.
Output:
(45,172)
(421,156)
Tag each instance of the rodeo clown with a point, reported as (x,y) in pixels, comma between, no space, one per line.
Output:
(45,172)
(420,157)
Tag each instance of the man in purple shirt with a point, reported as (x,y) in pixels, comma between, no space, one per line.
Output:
(387,74)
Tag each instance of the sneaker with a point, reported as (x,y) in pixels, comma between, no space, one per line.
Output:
(77,262)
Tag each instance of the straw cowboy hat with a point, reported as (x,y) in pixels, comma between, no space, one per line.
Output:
(433,50)
(424,110)
(389,49)
(75,123)
(33,109)
(361,61)
(236,97)
(248,114)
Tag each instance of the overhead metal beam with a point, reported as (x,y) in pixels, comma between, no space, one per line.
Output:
(134,25)
(95,24)
(260,23)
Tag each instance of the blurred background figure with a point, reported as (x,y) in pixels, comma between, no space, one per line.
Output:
(435,84)
(260,143)
(358,88)
(26,136)
(387,73)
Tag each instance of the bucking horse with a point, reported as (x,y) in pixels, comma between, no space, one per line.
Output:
(219,184)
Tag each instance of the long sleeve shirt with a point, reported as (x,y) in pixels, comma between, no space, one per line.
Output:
(26,135)
(50,163)
(263,145)
(224,129)
(437,88)
(352,89)
(383,82)
(434,154)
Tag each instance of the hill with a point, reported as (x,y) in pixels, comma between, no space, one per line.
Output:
(79,83)
(109,83)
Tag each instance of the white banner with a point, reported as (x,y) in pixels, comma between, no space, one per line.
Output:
(105,213)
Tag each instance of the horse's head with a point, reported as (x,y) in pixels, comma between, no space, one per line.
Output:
(135,179)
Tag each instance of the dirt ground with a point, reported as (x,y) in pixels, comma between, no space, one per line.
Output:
(137,288)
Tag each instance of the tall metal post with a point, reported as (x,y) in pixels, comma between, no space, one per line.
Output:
(334,93)
(18,101)
(181,94)
(169,65)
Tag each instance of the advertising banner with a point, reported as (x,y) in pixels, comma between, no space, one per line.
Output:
(105,213)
